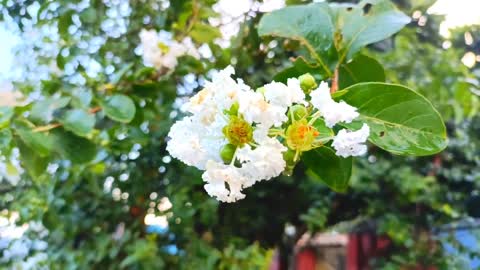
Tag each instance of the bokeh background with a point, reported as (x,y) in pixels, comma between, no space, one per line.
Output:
(131,206)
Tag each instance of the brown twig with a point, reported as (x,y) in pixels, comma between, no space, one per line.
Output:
(56,125)
(334,87)
(46,128)
(94,110)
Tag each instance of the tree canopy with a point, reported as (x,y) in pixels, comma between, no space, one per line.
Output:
(84,152)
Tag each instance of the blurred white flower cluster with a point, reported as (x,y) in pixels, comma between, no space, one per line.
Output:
(240,136)
(160,50)
(22,247)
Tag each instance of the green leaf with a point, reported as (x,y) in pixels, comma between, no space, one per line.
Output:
(64,21)
(367,22)
(5,138)
(42,111)
(119,74)
(320,26)
(6,114)
(325,166)
(119,108)
(78,121)
(312,25)
(401,121)
(204,33)
(326,133)
(30,160)
(74,148)
(39,142)
(467,102)
(361,69)
(300,67)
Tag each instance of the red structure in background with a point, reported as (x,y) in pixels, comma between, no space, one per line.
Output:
(337,252)
(363,247)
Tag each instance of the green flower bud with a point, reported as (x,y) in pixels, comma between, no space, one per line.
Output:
(227,152)
(307,82)
(298,112)
(289,157)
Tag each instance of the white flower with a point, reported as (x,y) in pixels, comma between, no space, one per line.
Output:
(284,95)
(189,142)
(351,143)
(223,182)
(160,50)
(254,108)
(333,112)
(262,163)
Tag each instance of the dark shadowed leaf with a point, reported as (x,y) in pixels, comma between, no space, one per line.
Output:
(361,69)
(72,147)
(325,166)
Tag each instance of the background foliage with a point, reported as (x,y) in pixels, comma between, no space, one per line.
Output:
(92,180)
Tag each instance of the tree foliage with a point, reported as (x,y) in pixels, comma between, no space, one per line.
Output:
(85,152)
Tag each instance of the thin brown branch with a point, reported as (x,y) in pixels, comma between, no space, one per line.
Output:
(47,127)
(334,87)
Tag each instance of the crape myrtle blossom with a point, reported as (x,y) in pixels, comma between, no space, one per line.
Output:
(351,143)
(160,50)
(333,112)
(240,136)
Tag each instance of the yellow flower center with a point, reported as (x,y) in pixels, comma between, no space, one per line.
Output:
(301,135)
(238,131)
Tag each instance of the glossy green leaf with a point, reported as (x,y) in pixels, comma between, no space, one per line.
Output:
(42,111)
(78,121)
(349,27)
(401,121)
(312,25)
(74,148)
(40,142)
(325,166)
(119,108)
(361,69)
(6,114)
(367,22)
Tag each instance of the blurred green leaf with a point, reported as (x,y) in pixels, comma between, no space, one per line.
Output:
(5,138)
(204,33)
(39,142)
(6,114)
(78,121)
(119,108)
(31,161)
(72,147)
(42,111)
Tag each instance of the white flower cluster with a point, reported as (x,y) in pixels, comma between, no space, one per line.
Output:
(160,50)
(19,249)
(232,131)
